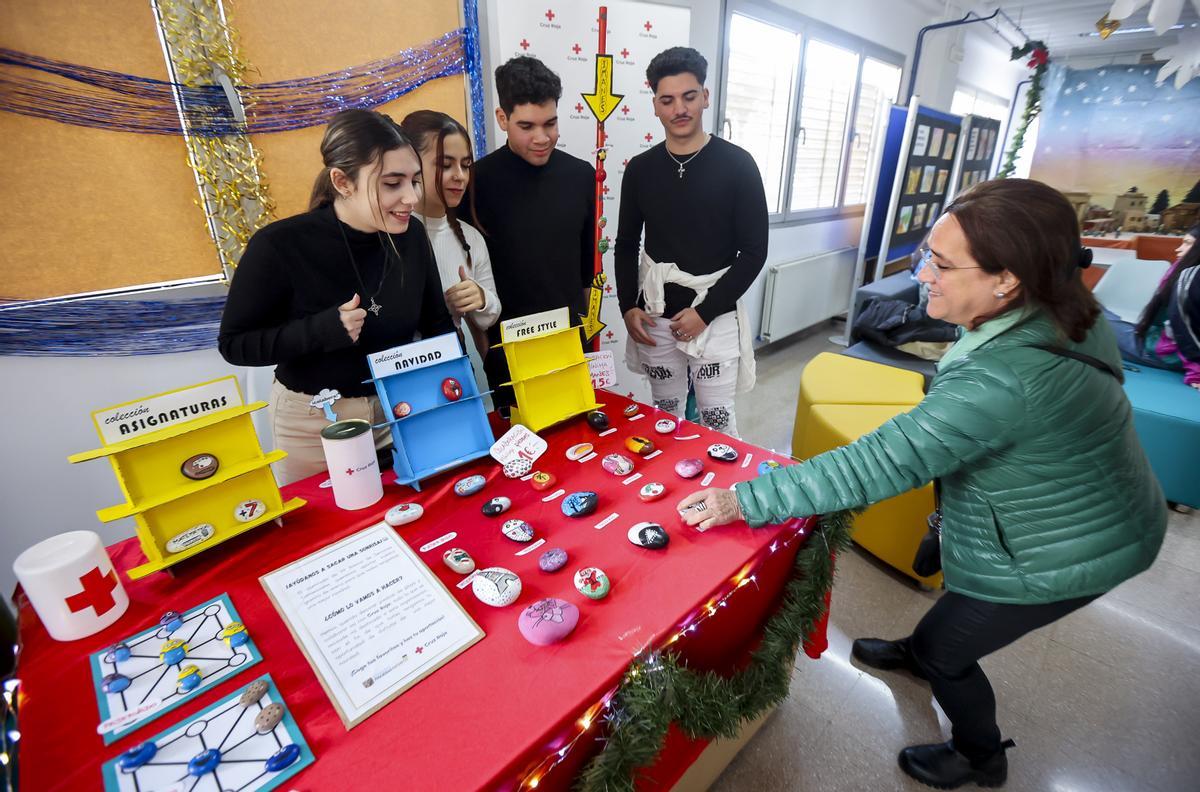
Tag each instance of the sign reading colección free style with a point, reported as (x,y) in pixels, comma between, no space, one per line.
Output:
(152,413)
(419,354)
(534,325)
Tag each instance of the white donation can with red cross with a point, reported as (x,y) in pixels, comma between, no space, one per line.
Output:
(72,585)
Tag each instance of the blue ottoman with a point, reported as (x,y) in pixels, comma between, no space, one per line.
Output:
(1166,414)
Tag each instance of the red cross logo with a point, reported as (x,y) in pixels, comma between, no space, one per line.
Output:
(96,594)
(609,335)
(624,52)
(550,15)
(624,163)
(578,107)
(608,288)
(577,49)
(625,111)
(524,44)
(647,26)
(606,189)
(649,137)
(349,471)
(420,649)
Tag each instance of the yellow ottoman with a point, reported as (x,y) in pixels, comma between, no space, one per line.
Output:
(889,530)
(837,379)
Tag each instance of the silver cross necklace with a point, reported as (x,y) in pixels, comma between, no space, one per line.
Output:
(691,157)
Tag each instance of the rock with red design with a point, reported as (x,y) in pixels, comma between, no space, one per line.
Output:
(617,464)
(592,583)
(548,621)
(451,389)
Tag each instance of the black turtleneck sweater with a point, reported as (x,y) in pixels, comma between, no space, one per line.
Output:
(282,308)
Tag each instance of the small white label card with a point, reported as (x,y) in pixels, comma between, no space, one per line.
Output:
(534,325)
(143,416)
(603,368)
(371,618)
(518,443)
(418,354)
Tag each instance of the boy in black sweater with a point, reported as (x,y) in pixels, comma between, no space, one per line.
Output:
(702,203)
(536,206)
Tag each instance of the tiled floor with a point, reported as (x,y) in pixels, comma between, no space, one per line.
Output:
(1105,699)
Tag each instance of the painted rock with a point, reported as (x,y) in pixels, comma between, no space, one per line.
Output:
(469,485)
(457,559)
(171,620)
(496,506)
(284,757)
(553,560)
(592,583)
(649,535)
(137,756)
(496,586)
(580,504)
(188,679)
(253,692)
(268,718)
(118,654)
(548,621)
(234,635)
(767,465)
(639,445)
(402,409)
(452,389)
(651,492)
(723,452)
(517,468)
(197,534)
(199,467)
(114,683)
(204,762)
(664,426)
(579,451)
(403,514)
(617,464)
(173,652)
(689,468)
(631,410)
(517,530)
(250,510)
(598,420)
(542,480)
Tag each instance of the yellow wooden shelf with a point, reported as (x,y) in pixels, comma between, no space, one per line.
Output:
(222,475)
(165,434)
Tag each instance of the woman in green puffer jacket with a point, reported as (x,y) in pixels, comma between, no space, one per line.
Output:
(1047,498)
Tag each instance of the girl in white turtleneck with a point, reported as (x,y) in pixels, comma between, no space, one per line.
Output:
(460,250)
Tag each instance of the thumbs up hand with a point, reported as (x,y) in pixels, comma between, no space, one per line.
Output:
(352,317)
(464,296)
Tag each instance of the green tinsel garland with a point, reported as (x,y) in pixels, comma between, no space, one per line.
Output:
(1033,101)
(659,689)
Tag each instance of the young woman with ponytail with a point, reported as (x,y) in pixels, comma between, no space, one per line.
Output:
(316,293)
(460,251)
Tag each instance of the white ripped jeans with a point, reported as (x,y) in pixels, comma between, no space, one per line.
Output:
(714,376)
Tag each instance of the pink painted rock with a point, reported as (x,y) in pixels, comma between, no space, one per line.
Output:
(548,621)
(617,464)
(689,468)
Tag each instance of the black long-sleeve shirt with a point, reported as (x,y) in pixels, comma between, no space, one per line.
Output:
(714,217)
(539,222)
(282,308)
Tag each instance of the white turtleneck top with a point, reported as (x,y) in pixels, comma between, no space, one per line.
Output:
(450,256)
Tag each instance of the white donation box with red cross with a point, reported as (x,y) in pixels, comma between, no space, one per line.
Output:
(71,584)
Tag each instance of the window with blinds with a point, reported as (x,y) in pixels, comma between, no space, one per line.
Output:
(804,100)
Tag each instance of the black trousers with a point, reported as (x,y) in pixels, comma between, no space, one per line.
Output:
(946,646)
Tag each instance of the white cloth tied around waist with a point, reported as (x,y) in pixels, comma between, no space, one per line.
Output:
(653,276)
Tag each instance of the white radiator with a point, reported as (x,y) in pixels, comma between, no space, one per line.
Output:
(805,292)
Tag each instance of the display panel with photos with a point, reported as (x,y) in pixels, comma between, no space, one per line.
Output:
(982,135)
(926,168)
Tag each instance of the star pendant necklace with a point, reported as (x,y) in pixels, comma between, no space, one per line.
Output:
(372,306)
(692,156)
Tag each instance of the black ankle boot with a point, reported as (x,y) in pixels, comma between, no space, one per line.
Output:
(885,655)
(942,767)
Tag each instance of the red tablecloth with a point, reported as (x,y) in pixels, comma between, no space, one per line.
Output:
(494,714)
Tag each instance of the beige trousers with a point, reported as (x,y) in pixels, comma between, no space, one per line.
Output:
(297,427)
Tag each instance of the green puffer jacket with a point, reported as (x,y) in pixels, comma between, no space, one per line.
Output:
(1046,492)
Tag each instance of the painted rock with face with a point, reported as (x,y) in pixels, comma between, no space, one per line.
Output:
(639,445)
(118,654)
(723,452)
(617,464)
(137,756)
(689,468)
(469,485)
(171,621)
(580,504)
(664,426)
(401,409)
(592,583)
(631,410)
(173,652)
(496,506)
(403,514)
(516,468)
(457,559)
(517,530)
(649,535)
(579,451)
(234,634)
(553,560)
(199,467)
(651,492)
(598,420)
(188,679)
(542,480)
(114,683)
(205,762)
(496,586)
(284,757)
(767,465)
(548,621)
(452,389)
(268,718)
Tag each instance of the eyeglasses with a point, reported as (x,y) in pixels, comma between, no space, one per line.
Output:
(934,267)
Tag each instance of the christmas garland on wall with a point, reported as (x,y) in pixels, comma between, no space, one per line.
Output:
(1040,63)
(659,689)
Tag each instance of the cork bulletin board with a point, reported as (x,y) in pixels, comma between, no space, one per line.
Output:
(91,209)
